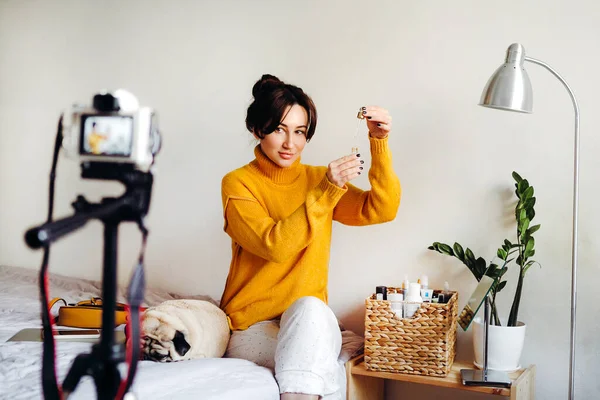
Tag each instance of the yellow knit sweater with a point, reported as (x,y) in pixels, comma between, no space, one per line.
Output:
(279,220)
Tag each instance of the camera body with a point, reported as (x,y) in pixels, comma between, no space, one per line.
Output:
(115,130)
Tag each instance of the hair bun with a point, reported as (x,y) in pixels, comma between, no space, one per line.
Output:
(266,82)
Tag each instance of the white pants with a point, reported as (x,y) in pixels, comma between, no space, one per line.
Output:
(302,349)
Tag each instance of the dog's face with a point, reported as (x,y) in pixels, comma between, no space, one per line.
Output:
(165,350)
(162,341)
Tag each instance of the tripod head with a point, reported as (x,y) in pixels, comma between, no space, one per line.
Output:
(133,205)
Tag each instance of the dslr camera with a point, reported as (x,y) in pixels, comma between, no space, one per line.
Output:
(115,131)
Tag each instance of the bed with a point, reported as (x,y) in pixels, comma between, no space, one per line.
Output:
(216,378)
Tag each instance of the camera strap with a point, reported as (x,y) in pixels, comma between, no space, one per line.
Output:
(135,298)
(50,386)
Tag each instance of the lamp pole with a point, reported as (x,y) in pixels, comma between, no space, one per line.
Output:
(510,89)
(575,227)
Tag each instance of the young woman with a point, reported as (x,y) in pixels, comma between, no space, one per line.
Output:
(278,213)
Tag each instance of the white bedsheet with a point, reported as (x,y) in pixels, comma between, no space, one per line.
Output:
(20,362)
(206,379)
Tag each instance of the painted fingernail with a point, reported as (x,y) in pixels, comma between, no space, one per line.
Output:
(359,172)
(362,161)
(364,111)
(369,117)
(360,167)
(364,108)
(358,155)
(378,124)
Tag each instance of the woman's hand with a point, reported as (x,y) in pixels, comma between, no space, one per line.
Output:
(379,121)
(344,169)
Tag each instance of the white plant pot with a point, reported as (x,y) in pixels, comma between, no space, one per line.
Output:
(505,344)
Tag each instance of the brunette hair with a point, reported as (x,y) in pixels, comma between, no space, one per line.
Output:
(272,97)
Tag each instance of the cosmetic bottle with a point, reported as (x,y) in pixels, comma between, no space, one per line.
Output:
(444,297)
(413,300)
(381,293)
(426,293)
(405,285)
(396,302)
(424,281)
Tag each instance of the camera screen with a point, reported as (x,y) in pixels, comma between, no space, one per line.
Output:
(107,135)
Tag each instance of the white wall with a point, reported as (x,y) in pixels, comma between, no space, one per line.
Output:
(427,62)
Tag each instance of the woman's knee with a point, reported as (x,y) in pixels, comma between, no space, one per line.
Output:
(310,304)
(311,308)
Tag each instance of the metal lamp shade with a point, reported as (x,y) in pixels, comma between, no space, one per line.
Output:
(509,88)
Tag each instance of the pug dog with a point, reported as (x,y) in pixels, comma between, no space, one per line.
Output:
(177,330)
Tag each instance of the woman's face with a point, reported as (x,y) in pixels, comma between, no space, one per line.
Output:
(284,145)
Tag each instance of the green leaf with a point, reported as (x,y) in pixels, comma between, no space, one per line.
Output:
(529,203)
(494,272)
(516,177)
(522,215)
(469,255)
(528,194)
(444,248)
(521,187)
(458,250)
(480,264)
(533,229)
(530,244)
(529,253)
(519,261)
(501,286)
(523,227)
(502,254)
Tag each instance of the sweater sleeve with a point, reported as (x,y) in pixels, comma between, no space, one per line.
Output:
(248,223)
(378,205)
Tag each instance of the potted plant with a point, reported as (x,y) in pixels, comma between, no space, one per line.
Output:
(505,342)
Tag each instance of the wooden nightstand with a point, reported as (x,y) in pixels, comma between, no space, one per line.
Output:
(363,384)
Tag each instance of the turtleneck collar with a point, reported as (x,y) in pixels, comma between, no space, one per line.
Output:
(273,171)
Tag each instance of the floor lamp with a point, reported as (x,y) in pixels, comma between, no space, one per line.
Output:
(509,89)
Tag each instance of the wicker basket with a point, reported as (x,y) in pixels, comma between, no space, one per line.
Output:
(423,345)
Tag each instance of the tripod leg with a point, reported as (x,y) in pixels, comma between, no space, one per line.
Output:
(80,367)
(107,379)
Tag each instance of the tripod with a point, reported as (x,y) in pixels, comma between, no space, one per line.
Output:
(102,362)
